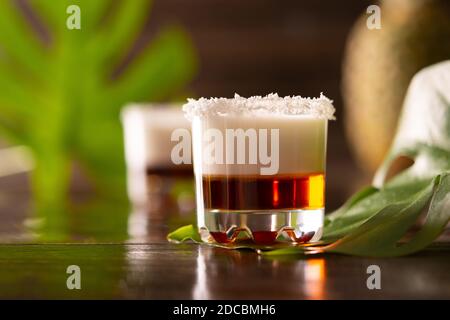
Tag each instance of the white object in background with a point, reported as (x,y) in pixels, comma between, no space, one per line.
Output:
(148,129)
(15,160)
(425,120)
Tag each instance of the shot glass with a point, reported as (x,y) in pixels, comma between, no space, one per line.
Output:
(259,166)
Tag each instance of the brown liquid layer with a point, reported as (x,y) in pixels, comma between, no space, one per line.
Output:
(305,191)
(175,171)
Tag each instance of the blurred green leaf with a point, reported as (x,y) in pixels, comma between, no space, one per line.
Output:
(60,98)
(19,42)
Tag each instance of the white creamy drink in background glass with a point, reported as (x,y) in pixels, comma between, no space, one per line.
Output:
(151,173)
(259,167)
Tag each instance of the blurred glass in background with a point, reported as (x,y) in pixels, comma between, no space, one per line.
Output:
(158,188)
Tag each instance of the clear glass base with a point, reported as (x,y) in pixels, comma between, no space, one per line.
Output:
(262,227)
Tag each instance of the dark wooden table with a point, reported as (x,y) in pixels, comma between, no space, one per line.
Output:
(166,271)
(124,255)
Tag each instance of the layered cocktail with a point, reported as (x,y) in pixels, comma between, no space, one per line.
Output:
(259,166)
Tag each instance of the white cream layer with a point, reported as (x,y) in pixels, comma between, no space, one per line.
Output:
(302,143)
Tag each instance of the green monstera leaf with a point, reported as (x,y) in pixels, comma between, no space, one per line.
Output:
(375,221)
(61,91)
